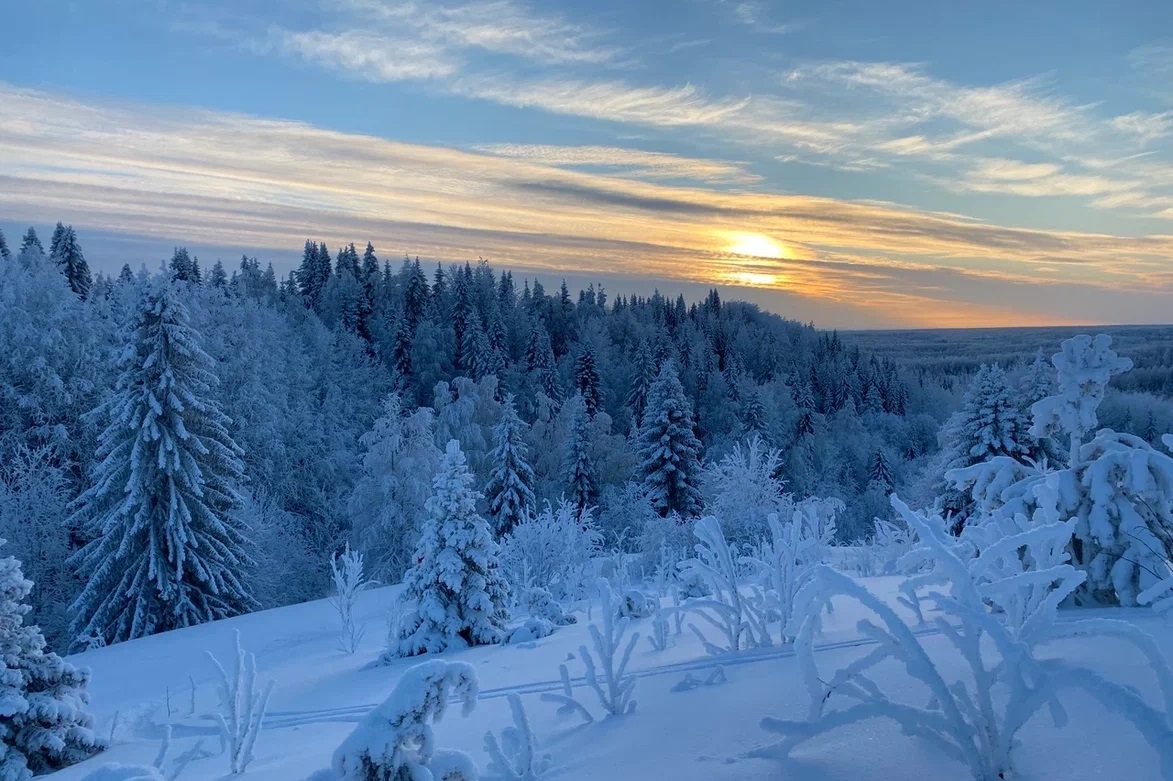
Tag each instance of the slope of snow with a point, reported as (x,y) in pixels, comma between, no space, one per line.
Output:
(702,733)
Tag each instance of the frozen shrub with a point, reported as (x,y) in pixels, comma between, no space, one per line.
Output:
(395,741)
(636,604)
(540,603)
(516,757)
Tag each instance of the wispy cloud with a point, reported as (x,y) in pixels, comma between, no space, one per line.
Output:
(632,162)
(260,183)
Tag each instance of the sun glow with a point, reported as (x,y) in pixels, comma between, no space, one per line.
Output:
(757,245)
(754,279)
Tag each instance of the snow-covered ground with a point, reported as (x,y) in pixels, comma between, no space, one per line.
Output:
(704,733)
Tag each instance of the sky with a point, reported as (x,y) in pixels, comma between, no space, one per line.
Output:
(852,163)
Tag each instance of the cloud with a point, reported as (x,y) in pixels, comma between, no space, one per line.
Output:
(232,180)
(373,57)
(633,162)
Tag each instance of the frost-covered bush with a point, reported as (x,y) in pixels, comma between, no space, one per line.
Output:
(1117,486)
(395,741)
(743,491)
(784,563)
(636,604)
(552,549)
(540,603)
(516,755)
(616,690)
(740,620)
(242,707)
(1020,571)
(531,629)
(346,572)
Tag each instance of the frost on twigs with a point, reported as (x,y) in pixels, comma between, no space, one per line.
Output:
(346,572)
(616,689)
(515,756)
(395,741)
(741,622)
(1024,574)
(242,707)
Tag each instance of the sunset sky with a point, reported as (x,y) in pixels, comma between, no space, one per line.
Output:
(855,163)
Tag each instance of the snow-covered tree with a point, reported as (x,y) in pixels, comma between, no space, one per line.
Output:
(31,242)
(586,382)
(166,548)
(455,584)
(67,254)
(645,373)
(552,549)
(346,574)
(242,707)
(391,495)
(880,470)
(742,489)
(5,253)
(44,725)
(581,477)
(988,425)
(668,449)
(510,491)
(1118,486)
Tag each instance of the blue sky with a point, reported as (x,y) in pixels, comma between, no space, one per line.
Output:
(854,163)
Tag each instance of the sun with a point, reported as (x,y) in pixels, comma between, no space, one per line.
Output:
(754,279)
(756,245)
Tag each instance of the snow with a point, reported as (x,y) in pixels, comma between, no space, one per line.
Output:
(702,732)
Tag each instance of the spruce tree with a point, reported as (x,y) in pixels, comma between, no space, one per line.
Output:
(218,278)
(126,275)
(30,242)
(510,491)
(44,725)
(415,296)
(166,548)
(5,253)
(455,584)
(182,266)
(68,256)
(989,424)
(753,412)
(55,239)
(645,374)
(668,450)
(581,477)
(880,471)
(586,382)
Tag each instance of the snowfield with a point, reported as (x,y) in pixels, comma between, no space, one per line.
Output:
(705,732)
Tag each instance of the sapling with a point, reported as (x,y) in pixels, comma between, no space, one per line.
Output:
(242,708)
(346,572)
(516,757)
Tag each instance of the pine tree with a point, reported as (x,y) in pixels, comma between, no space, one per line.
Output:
(586,382)
(458,591)
(68,256)
(5,254)
(510,491)
(31,242)
(166,549)
(44,725)
(753,413)
(989,424)
(668,449)
(581,476)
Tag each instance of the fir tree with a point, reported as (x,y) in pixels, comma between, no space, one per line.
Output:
(668,449)
(55,239)
(5,253)
(126,275)
(645,374)
(510,492)
(753,413)
(30,242)
(44,725)
(455,585)
(989,424)
(219,278)
(880,471)
(166,548)
(69,258)
(581,475)
(415,296)
(586,382)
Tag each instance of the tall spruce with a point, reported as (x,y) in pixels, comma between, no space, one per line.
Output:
(30,242)
(668,450)
(68,256)
(586,382)
(510,491)
(166,548)
(5,253)
(581,475)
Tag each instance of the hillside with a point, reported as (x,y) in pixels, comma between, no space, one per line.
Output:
(702,734)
